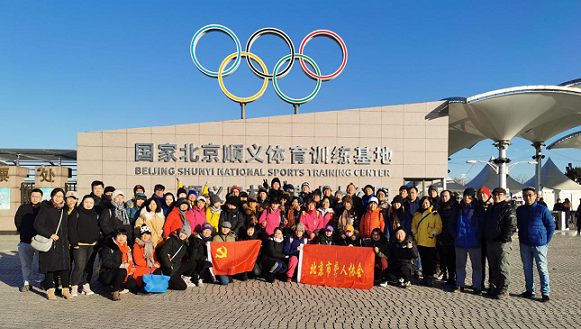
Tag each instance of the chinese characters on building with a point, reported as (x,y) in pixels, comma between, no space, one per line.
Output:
(238,153)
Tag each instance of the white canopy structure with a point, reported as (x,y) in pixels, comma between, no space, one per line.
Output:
(535,113)
(488,178)
(571,141)
(557,185)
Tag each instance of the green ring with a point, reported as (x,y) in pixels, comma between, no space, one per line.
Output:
(285,97)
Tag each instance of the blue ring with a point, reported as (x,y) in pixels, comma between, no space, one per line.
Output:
(198,35)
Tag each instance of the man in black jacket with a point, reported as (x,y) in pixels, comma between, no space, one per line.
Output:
(445,246)
(499,227)
(232,215)
(24,221)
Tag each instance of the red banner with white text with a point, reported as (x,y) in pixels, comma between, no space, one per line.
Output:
(337,266)
(229,258)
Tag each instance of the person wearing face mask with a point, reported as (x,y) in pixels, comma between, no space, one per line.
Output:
(426,225)
(52,223)
(274,260)
(84,234)
(466,226)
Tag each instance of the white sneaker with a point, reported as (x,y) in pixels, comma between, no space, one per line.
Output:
(200,282)
(383,284)
(87,290)
(124,291)
(75,291)
(188,281)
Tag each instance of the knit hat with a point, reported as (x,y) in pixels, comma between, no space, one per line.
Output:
(329,228)
(190,192)
(182,190)
(326,187)
(306,184)
(226,224)
(275,179)
(207,226)
(373,199)
(201,198)
(397,199)
(185,231)
(144,229)
(138,187)
(214,198)
(182,201)
(275,200)
(109,189)
(117,193)
(233,200)
(72,194)
(140,196)
(243,194)
(349,228)
(235,188)
(469,192)
(369,186)
(262,189)
(484,190)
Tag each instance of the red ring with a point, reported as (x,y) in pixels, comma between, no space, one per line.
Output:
(335,37)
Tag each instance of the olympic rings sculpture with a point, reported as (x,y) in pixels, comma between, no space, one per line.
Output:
(226,67)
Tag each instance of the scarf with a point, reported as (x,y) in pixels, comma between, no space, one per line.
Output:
(121,213)
(59,206)
(125,251)
(149,253)
(185,222)
(216,210)
(205,238)
(278,240)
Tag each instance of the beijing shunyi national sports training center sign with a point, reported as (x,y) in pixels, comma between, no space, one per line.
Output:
(238,153)
(277,72)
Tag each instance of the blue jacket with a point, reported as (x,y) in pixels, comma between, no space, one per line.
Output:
(466,225)
(406,223)
(411,207)
(535,225)
(291,243)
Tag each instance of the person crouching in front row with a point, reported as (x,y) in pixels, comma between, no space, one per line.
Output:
(117,265)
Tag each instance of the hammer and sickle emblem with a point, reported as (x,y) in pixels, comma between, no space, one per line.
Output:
(221,252)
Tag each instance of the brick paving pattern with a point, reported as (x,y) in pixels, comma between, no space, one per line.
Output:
(258,304)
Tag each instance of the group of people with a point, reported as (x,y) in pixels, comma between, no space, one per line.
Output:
(168,234)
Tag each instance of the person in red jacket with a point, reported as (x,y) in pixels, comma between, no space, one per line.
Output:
(144,256)
(180,216)
(373,218)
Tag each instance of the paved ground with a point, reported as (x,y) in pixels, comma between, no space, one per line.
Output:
(257,304)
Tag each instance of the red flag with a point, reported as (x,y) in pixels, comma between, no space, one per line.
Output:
(229,258)
(338,266)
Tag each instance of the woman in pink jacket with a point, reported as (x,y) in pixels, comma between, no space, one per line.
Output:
(271,218)
(199,212)
(312,219)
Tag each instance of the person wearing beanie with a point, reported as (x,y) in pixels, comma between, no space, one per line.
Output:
(109,192)
(225,234)
(199,214)
(175,261)
(293,245)
(115,216)
(192,196)
(182,193)
(144,255)
(180,217)
(397,217)
(135,206)
(232,215)
(213,211)
(262,197)
(305,193)
(426,225)
(348,237)
(372,219)
(434,198)
(197,251)
(235,191)
(466,227)
(152,216)
(327,238)
(368,192)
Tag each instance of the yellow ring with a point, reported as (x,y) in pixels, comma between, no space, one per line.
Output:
(236,98)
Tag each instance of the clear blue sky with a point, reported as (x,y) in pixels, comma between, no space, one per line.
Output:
(67,67)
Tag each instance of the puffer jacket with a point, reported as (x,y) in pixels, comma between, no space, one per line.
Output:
(446,209)
(272,218)
(371,220)
(171,254)
(400,255)
(535,225)
(500,223)
(213,217)
(291,243)
(466,225)
(426,230)
(312,220)
(198,219)
(235,217)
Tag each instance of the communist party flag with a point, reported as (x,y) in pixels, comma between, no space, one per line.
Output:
(229,258)
(337,266)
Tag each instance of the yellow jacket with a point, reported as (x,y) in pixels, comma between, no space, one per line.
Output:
(213,218)
(425,230)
